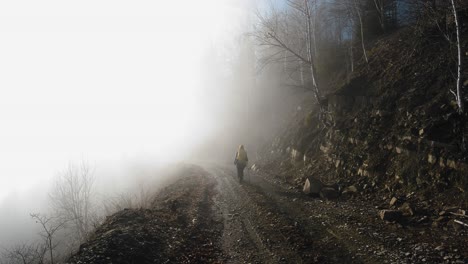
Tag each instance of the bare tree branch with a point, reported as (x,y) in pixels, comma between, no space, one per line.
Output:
(50,226)
(71,198)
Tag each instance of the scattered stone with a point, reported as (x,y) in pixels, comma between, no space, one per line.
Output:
(390,215)
(324,149)
(431,159)
(337,163)
(363,172)
(423,219)
(452,164)
(312,186)
(439,248)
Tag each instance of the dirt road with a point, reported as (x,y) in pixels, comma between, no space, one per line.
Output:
(206,216)
(265,222)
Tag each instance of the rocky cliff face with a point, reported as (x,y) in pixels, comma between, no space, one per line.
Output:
(393,127)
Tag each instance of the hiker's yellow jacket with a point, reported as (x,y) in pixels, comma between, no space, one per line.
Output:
(241,156)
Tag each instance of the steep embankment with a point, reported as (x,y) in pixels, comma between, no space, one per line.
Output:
(394,129)
(179,227)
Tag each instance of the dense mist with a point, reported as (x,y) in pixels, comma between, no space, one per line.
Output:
(129,91)
(214,130)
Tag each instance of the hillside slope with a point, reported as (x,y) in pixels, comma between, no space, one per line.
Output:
(395,130)
(179,227)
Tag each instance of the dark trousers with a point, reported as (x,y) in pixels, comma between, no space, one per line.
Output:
(240,171)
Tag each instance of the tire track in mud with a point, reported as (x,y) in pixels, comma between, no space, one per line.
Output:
(274,237)
(237,214)
(292,232)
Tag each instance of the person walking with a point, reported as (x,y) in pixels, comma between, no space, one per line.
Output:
(241,162)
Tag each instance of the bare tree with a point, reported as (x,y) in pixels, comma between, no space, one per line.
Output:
(310,40)
(458,94)
(71,198)
(346,13)
(50,226)
(276,32)
(436,13)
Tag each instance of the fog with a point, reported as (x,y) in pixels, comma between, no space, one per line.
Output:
(128,88)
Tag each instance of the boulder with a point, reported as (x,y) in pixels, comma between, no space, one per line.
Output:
(390,215)
(329,193)
(312,186)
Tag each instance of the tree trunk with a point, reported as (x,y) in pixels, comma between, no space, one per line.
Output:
(51,250)
(459,95)
(362,31)
(352,53)
(310,54)
(302,73)
(315,28)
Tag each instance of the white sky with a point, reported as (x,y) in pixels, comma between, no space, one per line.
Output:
(100,80)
